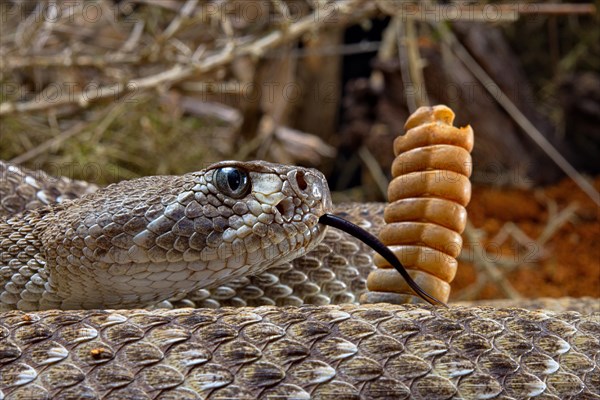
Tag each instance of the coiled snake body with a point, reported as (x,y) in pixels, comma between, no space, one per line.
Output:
(203,234)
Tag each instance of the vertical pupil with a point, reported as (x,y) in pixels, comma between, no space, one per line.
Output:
(234,179)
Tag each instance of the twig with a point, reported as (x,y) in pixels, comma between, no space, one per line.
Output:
(471,12)
(134,37)
(411,65)
(171,5)
(283,10)
(510,229)
(337,50)
(488,83)
(550,9)
(374,169)
(21,38)
(554,224)
(387,50)
(258,47)
(407,78)
(491,269)
(67,60)
(211,109)
(107,116)
(415,64)
(175,24)
(486,266)
(40,149)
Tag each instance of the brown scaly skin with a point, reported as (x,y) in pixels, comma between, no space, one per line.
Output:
(345,351)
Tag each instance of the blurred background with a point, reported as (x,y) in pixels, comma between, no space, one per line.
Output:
(108,90)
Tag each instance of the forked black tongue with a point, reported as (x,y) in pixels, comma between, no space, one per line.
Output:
(374,243)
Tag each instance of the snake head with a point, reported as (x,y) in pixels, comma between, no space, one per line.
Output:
(138,242)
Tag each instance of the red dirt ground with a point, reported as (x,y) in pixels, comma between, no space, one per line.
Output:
(567,265)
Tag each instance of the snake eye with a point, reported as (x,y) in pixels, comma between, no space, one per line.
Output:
(233,182)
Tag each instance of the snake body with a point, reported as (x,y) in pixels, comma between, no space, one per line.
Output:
(78,253)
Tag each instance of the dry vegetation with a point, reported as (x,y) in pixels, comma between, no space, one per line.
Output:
(147,87)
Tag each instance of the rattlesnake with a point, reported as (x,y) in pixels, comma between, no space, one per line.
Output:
(159,230)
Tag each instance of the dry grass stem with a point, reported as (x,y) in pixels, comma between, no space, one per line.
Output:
(524,123)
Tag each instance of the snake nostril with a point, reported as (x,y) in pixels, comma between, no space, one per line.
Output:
(280,208)
(301,181)
(286,209)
